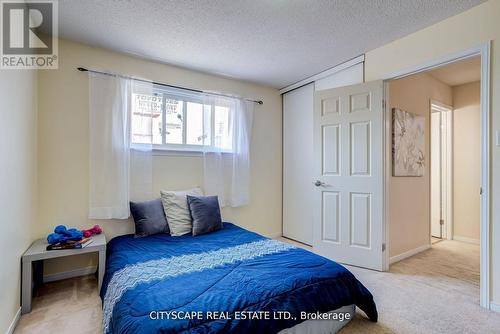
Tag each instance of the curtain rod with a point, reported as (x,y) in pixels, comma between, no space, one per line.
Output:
(83,69)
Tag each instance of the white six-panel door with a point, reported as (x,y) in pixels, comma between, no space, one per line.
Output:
(348,184)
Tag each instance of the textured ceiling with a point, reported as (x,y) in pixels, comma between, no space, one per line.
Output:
(460,72)
(272,42)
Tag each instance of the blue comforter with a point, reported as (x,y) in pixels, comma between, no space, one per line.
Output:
(214,283)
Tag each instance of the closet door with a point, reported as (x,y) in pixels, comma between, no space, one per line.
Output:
(298,164)
(298,168)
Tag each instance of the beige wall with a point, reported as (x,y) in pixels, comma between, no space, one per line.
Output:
(17,182)
(466,161)
(409,201)
(64,135)
(466,30)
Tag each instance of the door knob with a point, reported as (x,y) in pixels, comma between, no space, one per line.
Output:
(318,183)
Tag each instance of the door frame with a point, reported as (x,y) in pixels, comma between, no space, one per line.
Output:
(482,50)
(448,204)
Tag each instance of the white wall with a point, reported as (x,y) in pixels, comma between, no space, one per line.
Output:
(17,182)
(64,135)
(466,30)
(466,161)
(409,201)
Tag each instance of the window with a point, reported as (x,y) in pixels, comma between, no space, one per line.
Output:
(175,120)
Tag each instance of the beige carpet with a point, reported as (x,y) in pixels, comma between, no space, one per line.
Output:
(436,291)
(68,306)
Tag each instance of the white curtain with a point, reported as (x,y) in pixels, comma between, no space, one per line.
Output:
(111,162)
(226,158)
(144,109)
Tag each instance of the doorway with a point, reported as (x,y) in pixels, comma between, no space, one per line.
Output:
(441,171)
(439,220)
(455,160)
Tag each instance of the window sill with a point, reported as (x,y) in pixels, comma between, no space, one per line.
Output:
(176,153)
(186,150)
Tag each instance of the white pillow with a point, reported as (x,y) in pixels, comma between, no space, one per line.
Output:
(177,211)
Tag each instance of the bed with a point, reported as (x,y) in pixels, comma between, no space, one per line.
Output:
(229,281)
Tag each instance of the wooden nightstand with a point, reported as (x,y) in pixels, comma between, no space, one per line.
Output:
(37,253)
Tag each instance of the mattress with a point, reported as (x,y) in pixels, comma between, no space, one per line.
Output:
(229,281)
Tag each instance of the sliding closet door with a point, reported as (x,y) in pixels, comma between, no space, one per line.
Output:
(298,164)
(298,173)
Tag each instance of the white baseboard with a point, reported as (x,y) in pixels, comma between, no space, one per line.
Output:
(274,235)
(69,274)
(14,322)
(495,306)
(409,253)
(465,239)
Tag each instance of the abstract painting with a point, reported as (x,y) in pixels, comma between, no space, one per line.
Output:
(407,143)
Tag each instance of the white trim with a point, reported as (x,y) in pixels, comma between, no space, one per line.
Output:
(165,150)
(387,166)
(14,322)
(495,306)
(70,274)
(442,61)
(324,74)
(409,253)
(274,235)
(467,240)
(176,153)
(439,106)
(175,149)
(484,51)
(447,187)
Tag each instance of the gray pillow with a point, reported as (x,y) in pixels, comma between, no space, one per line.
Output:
(149,218)
(176,210)
(205,212)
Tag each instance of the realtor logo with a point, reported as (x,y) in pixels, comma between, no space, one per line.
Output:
(29,34)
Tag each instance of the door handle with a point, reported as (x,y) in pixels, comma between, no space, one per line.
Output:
(318,183)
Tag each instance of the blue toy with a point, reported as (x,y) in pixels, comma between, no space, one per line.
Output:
(62,234)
